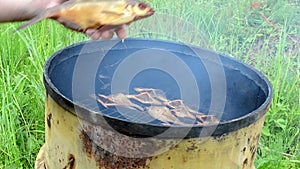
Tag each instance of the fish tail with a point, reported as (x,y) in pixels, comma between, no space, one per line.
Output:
(33,21)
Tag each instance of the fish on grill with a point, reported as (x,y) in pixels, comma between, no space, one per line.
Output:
(153,102)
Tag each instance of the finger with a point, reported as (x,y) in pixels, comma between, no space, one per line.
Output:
(121,32)
(107,34)
(96,35)
(90,32)
(93,34)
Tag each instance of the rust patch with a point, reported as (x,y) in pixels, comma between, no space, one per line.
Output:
(245,163)
(87,144)
(221,138)
(252,149)
(244,150)
(257,137)
(253,156)
(253,146)
(49,118)
(71,162)
(237,139)
(110,160)
(193,147)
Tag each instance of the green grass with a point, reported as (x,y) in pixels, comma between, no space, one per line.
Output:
(230,27)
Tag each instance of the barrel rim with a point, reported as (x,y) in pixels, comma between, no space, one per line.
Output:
(221,128)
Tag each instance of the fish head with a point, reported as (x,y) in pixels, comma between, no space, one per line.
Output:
(140,10)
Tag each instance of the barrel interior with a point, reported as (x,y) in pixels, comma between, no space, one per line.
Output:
(247,92)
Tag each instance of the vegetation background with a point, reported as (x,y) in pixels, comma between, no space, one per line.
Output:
(264,34)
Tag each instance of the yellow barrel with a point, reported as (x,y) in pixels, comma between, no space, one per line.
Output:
(79,137)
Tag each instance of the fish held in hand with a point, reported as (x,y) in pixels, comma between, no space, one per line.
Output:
(81,15)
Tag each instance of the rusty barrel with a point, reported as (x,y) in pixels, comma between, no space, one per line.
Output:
(81,133)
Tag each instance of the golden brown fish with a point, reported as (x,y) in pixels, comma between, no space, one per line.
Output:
(81,15)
